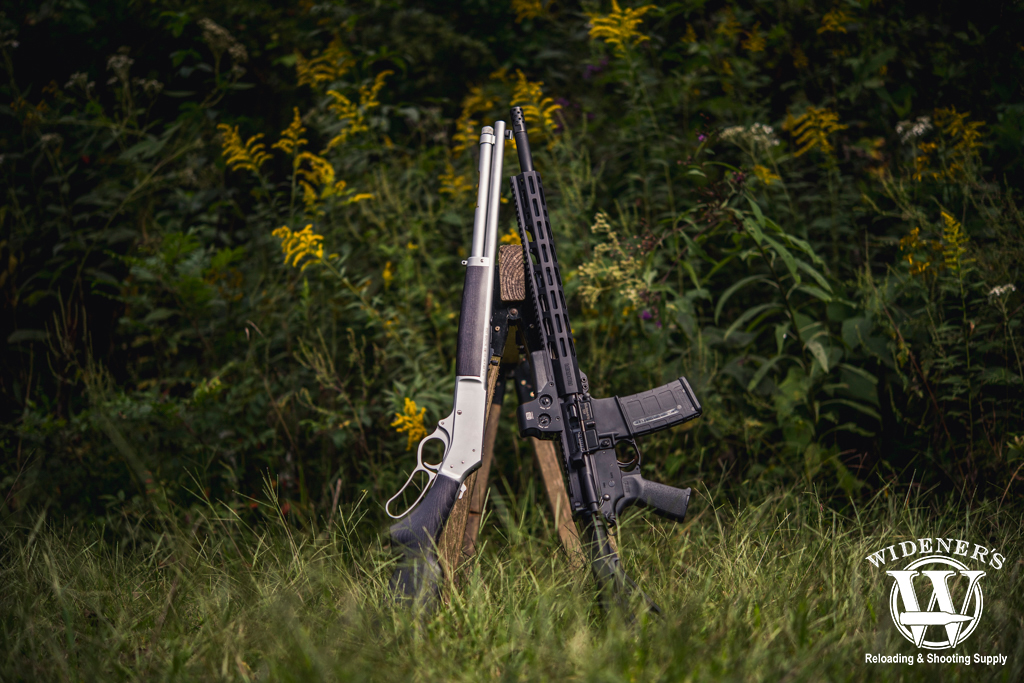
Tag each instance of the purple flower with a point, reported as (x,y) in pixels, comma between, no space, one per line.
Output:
(702,137)
(646,315)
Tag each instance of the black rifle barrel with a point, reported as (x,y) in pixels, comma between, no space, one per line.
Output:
(522,141)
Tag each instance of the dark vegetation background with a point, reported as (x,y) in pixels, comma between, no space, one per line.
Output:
(838,288)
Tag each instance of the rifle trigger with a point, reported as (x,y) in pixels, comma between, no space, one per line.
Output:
(462,491)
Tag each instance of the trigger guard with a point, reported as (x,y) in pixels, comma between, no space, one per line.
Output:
(438,435)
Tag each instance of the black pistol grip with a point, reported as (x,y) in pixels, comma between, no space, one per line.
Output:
(419,573)
(667,501)
(656,409)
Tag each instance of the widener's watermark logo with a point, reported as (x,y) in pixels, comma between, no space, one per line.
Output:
(913,622)
(936,601)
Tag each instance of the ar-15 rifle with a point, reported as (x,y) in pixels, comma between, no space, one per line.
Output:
(588,429)
(462,432)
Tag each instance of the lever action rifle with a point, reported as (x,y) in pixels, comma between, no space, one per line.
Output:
(587,429)
(419,573)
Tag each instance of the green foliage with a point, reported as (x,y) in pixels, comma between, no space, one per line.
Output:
(793,209)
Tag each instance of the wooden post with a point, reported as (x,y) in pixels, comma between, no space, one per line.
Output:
(551,473)
(458,540)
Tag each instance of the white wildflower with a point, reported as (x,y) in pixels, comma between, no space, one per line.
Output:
(119,64)
(758,135)
(908,130)
(51,140)
(1001,290)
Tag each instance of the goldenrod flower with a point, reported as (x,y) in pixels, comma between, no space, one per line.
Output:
(690,36)
(922,160)
(800,60)
(368,93)
(511,237)
(300,245)
(537,110)
(529,9)
(728,27)
(325,68)
(834,22)
(812,128)
(388,275)
(247,156)
(352,114)
(619,28)
(953,241)
(291,137)
(754,42)
(321,174)
(454,184)
(765,174)
(965,136)
(410,422)
(911,241)
(320,170)
(466,132)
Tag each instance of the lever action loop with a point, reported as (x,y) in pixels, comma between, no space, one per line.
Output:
(430,469)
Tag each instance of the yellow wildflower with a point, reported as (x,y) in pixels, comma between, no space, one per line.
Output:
(291,137)
(410,422)
(537,110)
(529,9)
(834,22)
(389,274)
(911,241)
(300,245)
(765,174)
(352,114)
(454,184)
(754,42)
(319,173)
(325,68)
(922,160)
(368,93)
(812,128)
(690,36)
(619,28)
(466,126)
(347,112)
(511,237)
(412,246)
(728,27)
(965,136)
(247,156)
(953,241)
(916,267)
(800,60)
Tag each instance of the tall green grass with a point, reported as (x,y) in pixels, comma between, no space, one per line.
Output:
(772,588)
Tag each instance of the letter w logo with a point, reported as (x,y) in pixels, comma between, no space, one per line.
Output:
(946,615)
